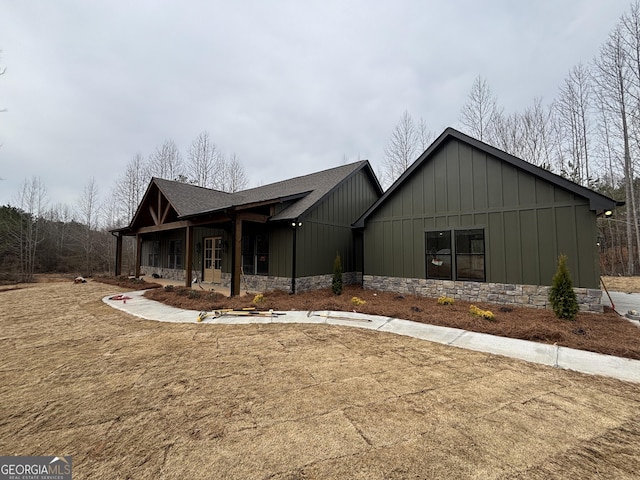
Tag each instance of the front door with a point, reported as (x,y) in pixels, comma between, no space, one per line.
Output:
(212,259)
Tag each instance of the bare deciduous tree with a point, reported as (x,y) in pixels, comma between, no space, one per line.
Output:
(537,125)
(612,80)
(166,162)
(129,188)
(203,162)
(32,202)
(88,214)
(234,175)
(480,114)
(572,108)
(401,150)
(425,136)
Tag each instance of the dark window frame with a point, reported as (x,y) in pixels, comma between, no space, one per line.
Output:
(174,257)
(255,254)
(154,253)
(437,256)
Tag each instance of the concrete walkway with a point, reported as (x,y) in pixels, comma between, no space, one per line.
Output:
(551,355)
(624,303)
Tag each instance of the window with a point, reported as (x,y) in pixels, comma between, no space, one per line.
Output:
(175,254)
(255,254)
(154,253)
(439,255)
(467,261)
(470,255)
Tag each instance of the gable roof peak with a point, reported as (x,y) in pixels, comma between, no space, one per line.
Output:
(597,201)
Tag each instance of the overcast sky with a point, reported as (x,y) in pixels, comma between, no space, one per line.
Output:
(292,87)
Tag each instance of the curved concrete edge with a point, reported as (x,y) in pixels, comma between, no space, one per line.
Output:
(551,355)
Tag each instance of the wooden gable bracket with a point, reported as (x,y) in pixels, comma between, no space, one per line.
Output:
(159,220)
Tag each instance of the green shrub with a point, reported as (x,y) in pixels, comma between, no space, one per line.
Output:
(336,284)
(561,295)
(259,298)
(444,300)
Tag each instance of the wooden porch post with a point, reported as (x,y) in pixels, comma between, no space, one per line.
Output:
(118,270)
(236,252)
(138,254)
(188,272)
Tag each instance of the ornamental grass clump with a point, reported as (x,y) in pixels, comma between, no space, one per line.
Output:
(357,301)
(486,314)
(444,300)
(561,295)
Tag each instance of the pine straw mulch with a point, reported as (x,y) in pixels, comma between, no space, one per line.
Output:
(605,333)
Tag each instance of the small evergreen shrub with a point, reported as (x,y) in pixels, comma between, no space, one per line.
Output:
(336,284)
(259,298)
(561,295)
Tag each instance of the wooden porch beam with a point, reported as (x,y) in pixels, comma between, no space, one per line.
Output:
(253,217)
(166,226)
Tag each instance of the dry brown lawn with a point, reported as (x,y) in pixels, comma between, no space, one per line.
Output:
(622,284)
(131,398)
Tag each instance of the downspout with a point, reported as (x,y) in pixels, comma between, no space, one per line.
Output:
(293,259)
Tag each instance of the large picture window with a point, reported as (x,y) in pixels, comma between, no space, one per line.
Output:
(175,254)
(255,254)
(455,255)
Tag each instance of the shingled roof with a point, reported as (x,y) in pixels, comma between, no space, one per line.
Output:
(190,200)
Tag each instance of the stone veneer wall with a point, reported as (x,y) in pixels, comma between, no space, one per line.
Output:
(263,283)
(536,296)
(168,273)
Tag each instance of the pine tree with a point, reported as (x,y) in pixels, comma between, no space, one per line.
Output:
(562,297)
(336,284)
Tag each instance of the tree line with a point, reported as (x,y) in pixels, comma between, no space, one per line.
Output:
(38,237)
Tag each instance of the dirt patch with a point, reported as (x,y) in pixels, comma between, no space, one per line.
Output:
(132,398)
(602,333)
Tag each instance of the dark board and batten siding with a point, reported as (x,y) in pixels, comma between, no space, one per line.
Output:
(528,221)
(326,230)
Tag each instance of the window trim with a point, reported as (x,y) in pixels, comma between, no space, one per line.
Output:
(454,252)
